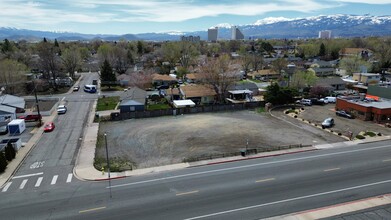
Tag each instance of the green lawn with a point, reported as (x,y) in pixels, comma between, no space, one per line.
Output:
(107,103)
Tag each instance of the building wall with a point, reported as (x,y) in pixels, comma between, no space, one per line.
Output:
(212,34)
(363,112)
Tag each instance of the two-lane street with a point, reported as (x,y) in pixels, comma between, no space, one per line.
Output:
(248,189)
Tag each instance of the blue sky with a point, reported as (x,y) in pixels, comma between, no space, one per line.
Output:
(144,16)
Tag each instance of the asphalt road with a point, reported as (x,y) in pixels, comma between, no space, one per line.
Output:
(250,189)
(50,163)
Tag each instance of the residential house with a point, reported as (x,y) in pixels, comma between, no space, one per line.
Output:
(11,105)
(194,78)
(124,80)
(199,94)
(133,99)
(367,78)
(322,68)
(334,83)
(264,74)
(165,81)
(245,86)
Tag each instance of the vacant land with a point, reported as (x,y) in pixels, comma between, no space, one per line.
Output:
(166,140)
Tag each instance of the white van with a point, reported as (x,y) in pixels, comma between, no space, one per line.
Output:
(331,99)
(306,102)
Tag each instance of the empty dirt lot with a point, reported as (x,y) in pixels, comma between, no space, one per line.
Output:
(167,140)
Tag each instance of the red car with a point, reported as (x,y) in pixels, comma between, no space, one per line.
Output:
(31,117)
(49,127)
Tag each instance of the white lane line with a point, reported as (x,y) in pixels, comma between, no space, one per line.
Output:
(69,179)
(54,180)
(186,193)
(288,200)
(6,187)
(28,175)
(332,169)
(23,183)
(264,180)
(247,166)
(39,181)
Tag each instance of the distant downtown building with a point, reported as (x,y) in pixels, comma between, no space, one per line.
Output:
(236,34)
(325,34)
(212,34)
(191,38)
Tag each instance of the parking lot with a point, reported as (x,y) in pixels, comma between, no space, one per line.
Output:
(316,114)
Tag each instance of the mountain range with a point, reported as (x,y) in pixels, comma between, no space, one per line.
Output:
(339,25)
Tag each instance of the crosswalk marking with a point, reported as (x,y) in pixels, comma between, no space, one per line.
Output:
(69,179)
(23,184)
(54,180)
(6,186)
(38,183)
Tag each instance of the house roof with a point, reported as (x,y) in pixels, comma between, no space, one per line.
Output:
(194,76)
(243,86)
(197,91)
(330,81)
(159,77)
(264,72)
(7,109)
(134,93)
(129,102)
(12,101)
(183,103)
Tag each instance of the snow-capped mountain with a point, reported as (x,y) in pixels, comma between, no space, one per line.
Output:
(277,27)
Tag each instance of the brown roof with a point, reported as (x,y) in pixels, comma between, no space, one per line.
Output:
(263,72)
(194,76)
(162,77)
(195,90)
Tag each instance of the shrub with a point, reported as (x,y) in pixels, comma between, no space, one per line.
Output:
(360,137)
(339,134)
(3,162)
(9,152)
(379,134)
(370,133)
(295,116)
(286,112)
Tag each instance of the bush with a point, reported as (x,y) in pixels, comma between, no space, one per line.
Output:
(370,134)
(9,152)
(360,137)
(295,116)
(379,134)
(339,134)
(3,162)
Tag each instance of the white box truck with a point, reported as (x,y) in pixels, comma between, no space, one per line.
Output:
(16,126)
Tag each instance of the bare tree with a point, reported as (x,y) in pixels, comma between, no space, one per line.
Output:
(279,64)
(49,60)
(220,73)
(71,59)
(12,73)
(142,79)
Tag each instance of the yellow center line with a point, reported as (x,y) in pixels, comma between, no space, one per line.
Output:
(388,160)
(186,193)
(264,180)
(94,209)
(331,169)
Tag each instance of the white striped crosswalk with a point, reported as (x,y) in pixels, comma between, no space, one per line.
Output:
(36,181)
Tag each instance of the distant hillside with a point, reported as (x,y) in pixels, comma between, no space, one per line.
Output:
(340,25)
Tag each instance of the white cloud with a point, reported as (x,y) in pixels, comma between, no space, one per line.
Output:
(376,2)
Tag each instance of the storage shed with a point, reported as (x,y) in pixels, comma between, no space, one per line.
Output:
(16,126)
(130,106)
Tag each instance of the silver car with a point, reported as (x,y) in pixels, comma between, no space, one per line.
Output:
(328,123)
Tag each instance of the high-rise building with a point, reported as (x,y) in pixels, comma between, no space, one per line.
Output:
(236,34)
(212,34)
(325,34)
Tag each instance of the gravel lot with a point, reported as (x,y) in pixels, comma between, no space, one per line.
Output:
(167,140)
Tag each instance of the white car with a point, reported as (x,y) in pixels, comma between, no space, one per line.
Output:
(61,109)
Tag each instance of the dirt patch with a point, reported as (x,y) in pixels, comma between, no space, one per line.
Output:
(166,140)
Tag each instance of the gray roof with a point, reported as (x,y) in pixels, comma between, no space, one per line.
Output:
(7,109)
(134,93)
(12,101)
(244,86)
(129,102)
(330,81)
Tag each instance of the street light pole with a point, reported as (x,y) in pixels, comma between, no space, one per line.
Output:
(108,164)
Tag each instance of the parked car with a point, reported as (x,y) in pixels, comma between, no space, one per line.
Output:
(76,88)
(31,117)
(49,127)
(3,129)
(328,123)
(307,102)
(316,101)
(344,114)
(61,109)
(331,99)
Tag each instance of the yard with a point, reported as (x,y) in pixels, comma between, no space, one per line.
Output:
(141,143)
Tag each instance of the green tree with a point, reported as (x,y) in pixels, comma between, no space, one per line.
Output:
(56,43)
(107,76)
(6,47)
(353,64)
(322,50)
(12,75)
(9,152)
(303,79)
(140,48)
(3,162)
(278,96)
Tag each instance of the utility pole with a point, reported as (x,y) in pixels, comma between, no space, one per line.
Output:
(108,164)
(36,103)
